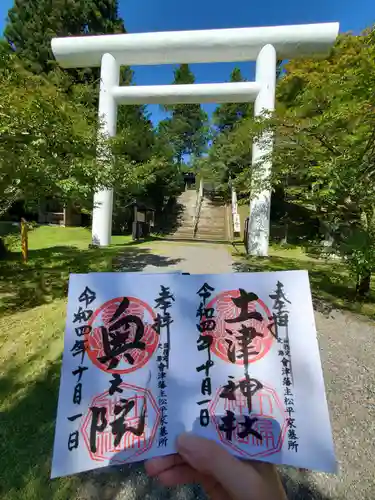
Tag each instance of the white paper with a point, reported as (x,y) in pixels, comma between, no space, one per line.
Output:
(259,398)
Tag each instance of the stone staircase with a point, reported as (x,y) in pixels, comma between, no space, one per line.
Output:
(212,221)
(212,225)
(185,218)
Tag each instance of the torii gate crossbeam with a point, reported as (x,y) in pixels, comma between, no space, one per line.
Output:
(264,45)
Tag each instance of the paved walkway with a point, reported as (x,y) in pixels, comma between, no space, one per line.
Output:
(347,345)
(192,258)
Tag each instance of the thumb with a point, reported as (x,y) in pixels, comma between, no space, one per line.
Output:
(239,479)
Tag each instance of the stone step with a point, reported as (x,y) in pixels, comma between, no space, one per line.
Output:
(197,238)
(212,207)
(185,227)
(184,233)
(210,237)
(209,216)
(183,237)
(212,213)
(212,219)
(216,222)
(211,231)
(205,230)
(211,222)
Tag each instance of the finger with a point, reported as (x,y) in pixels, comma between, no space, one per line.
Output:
(181,474)
(241,480)
(157,465)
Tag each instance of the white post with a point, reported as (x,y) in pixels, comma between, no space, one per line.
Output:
(260,203)
(234,202)
(103,199)
(201,188)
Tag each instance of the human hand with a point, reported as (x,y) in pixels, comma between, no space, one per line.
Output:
(221,475)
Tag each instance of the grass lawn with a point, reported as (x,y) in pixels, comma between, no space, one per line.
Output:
(32,317)
(330,281)
(54,252)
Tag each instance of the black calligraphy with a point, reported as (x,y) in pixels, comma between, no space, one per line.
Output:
(244,337)
(115,384)
(206,324)
(244,428)
(281,313)
(164,302)
(164,320)
(119,426)
(281,318)
(123,335)
(98,424)
(247,388)
(251,386)
(83,314)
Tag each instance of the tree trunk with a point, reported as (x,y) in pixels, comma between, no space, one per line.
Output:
(3,248)
(363,284)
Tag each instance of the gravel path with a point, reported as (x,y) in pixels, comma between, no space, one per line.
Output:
(347,345)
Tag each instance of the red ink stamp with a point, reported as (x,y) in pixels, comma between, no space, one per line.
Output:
(126,427)
(239,315)
(122,336)
(258,434)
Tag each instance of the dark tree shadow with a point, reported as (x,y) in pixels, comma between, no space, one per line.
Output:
(170,219)
(26,436)
(45,277)
(330,284)
(292,223)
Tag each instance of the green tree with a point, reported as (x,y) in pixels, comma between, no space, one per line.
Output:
(187,129)
(47,143)
(230,152)
(136,134)
(229,160)
(32,24)
(154,178)
(227,115)
(30,28)
(325,141)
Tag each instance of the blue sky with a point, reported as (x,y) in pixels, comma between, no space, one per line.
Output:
(171,15)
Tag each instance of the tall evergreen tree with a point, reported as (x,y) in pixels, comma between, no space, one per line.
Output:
(135,129)
(31,26)
(225,162)
(227,115)
(186,129)
(33,23)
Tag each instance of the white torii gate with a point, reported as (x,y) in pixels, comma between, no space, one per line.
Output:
(263,45)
